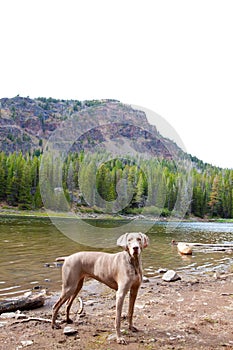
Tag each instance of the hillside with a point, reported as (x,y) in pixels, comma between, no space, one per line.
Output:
(26,124)
(151,174)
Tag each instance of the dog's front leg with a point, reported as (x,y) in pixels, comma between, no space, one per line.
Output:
(132,299)
(120,296)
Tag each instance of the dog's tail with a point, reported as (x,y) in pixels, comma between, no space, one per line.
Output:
(61,258)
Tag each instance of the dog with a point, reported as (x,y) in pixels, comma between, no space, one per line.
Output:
(121,271)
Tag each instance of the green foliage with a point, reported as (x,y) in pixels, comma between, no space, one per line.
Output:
(93,103)
(37,152)
(77,106)
(10,137)
(24,206)
(93,182)
(152,210)
(19,180)
(26,138)
(48,100)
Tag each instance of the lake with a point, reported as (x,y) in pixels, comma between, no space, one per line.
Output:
(29,247)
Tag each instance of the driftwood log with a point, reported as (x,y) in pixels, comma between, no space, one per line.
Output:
(28,301)
(185,248)
(212,245)
(205,245)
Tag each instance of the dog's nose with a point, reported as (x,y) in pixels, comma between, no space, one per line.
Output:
(135,249)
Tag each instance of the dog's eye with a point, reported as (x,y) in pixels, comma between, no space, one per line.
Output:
(139,239)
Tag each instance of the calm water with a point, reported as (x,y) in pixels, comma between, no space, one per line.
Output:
(29,248)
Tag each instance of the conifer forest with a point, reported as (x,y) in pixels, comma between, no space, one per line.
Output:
(148,186)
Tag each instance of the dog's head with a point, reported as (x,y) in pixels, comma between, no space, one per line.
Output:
(134,242)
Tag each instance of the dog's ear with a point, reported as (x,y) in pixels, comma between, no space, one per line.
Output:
(122,241)
(145,240)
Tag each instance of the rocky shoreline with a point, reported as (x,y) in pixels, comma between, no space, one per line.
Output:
(192,312)
(14,212)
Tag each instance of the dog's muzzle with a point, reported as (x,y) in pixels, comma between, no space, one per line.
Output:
(136,250)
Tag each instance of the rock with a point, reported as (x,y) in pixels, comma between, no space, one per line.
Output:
(26,342)
(70,331)
(112,337)
(171,276)
(152,340)
(6,315)
(140,306)
(145,279)
(9,315)
(162,270)
(58,264)
(24,122)
(184,248)
(90,302)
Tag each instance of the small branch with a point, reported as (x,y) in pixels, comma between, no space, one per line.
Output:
(80,305)
(227,294)
(47,320)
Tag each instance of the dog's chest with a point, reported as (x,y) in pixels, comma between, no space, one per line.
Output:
(134,272)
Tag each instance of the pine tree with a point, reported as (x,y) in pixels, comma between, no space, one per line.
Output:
(214,197)
(24,195)
(3,176)
(140,196)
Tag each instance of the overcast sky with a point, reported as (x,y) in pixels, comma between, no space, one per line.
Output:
(172,57)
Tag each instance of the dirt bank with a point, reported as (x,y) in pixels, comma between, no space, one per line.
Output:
(193,313)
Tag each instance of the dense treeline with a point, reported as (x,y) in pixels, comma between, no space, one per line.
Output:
(116,185)
(19,180)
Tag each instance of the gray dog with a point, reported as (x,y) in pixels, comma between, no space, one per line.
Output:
(121,272)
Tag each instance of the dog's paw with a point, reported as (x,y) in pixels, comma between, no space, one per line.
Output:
(56,326)
(122,341)
(69,321)
(133,329)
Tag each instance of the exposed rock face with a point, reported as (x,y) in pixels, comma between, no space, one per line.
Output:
(26,124)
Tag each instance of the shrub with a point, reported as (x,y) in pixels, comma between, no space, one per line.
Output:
(24,206)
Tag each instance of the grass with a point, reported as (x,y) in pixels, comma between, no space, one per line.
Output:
(32,213)
(224,220)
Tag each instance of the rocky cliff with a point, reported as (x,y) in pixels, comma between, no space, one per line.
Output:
(26,125)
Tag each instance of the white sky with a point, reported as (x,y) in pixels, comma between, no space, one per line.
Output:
(172,57)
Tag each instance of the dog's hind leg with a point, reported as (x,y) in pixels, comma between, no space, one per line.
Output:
(71,299)
(63,298)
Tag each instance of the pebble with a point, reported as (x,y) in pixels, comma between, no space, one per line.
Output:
(90,302)
(162,270)
(111,337)
(37,287)
(152,340)
(26,342)
(145,279)
(70,331)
